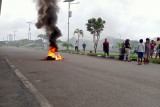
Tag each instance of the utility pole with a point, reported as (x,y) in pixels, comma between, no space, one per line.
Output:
(29,30)
(10,37)
(7,38)
(14,34)
(68,23)
(69,15)
(0,6)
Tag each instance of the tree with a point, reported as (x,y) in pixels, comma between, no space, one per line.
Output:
(95,27)
(80,33)
(43,36)
(59,41)
(65,44)
(119,45)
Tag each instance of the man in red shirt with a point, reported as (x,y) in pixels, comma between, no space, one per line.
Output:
(106,48)
(152,48)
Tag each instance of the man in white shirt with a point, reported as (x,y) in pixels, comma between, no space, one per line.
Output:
(76,46)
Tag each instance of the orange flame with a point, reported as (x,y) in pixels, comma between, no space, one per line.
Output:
(52,54)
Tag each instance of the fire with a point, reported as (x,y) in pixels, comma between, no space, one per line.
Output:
(52,55)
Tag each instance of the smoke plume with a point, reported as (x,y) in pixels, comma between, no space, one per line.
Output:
(47,19)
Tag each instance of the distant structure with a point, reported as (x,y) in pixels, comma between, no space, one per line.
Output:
(0,6)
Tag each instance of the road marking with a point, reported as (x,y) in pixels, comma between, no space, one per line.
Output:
(40,98)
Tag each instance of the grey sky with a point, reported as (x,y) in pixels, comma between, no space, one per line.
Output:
(132,19)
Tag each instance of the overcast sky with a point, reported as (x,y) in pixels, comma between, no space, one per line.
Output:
(132,19)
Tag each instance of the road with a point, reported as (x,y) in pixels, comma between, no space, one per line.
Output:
(85,81)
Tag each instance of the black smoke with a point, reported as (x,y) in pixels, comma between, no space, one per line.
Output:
(47,19)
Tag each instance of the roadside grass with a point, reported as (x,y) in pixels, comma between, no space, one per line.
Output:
(134,56)
(72,51)
(113,55)
(157,61)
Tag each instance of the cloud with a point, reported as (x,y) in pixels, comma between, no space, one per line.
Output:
(132,19)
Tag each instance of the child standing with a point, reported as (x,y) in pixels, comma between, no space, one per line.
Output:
(152,45)
(140,50)
(147,51)
(158,48)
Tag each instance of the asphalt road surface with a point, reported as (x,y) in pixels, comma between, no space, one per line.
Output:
(85,81)
(12,92)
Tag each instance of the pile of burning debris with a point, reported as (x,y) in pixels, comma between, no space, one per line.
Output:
(52,55)
(47,19)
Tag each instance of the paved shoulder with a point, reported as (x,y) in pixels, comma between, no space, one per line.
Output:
(12,92)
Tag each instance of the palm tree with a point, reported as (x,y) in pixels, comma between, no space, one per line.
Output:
(65,44)
(95,27)
(80,33)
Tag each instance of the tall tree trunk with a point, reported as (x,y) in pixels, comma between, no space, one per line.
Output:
(95,50)
(96,42)
(95,47)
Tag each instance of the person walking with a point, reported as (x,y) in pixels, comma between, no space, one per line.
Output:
(147,51)
(158,48)
(127,50)
(84,46)
(152,45)
(76,46)
(106,48)
(140,50)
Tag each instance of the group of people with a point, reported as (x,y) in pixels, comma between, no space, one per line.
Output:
(77,45)
(125,51)
(147,50)
(144,50)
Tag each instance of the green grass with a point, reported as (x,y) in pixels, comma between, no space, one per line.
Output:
(133,56)
(157,61)
(115,55)
(71,51)
(102,54)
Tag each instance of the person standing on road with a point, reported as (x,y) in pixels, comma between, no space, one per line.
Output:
(84,46)
(76,46)
(158,48)
(122,51)
(127,49)
(147,51)
(152,45)
(106,48)
(140,50)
